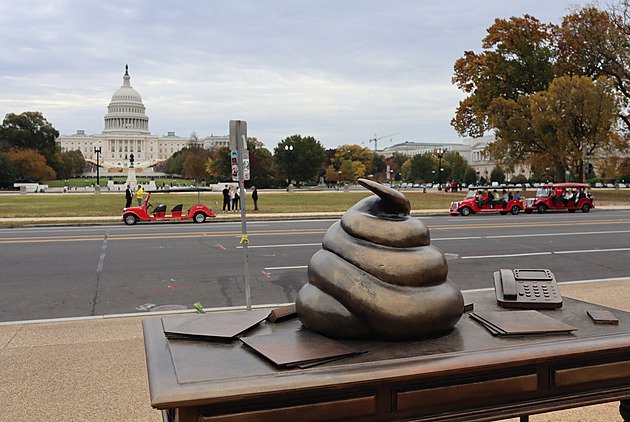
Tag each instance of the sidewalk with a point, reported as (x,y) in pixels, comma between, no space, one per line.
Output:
(221,215)
(237,216)
(95,370)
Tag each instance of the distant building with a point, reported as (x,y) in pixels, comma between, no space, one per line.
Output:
(127,132)
(471,149)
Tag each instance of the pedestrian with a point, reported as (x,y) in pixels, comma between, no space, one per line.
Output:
(128,196)
(255,197)
(226,198)
(232,195)
(139,193)
(236,199)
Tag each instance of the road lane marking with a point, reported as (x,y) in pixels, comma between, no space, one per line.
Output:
(458,238)
(99,270)
(295,267)
(505,255)
(154,236)
(556,234)
(93,238)
(516,224)
(594,250)
(250,246)
(545,253)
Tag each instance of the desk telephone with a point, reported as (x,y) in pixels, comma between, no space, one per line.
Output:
(527,289)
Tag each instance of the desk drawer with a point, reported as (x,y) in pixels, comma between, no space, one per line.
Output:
(322,411)
(592,373)
(483,391)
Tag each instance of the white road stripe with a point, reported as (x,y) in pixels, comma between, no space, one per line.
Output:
(280,246)
(505,256)
(545,253)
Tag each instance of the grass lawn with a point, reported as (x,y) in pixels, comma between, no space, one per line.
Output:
(111,204)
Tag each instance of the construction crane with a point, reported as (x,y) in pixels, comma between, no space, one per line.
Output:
(376,138)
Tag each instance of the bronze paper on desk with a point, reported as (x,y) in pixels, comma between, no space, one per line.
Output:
(212,326)
(519,322)
(302,348)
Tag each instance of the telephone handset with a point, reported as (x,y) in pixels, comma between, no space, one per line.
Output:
(528,289)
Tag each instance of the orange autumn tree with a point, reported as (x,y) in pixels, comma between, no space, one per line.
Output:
(29,163)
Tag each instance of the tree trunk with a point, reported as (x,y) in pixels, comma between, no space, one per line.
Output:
(560,175)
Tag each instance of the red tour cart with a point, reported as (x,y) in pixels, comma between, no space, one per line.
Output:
(473,204)
(198,213)
(561,196)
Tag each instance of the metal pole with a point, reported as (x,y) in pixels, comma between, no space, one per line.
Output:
(244,240)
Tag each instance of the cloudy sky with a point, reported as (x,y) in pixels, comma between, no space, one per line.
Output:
(342,71)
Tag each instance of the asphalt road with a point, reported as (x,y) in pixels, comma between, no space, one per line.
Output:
(55,272)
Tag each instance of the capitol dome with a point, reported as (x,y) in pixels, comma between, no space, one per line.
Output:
(126,111)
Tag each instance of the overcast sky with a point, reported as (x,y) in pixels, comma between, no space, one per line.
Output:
(340,71)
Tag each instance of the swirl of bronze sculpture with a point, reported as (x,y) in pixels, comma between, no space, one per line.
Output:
(377,275)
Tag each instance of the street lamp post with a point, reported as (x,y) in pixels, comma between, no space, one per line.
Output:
(439,153)
(288,149)
(97,151)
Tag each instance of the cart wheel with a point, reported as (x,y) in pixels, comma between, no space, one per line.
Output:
(542,208)
(586,208)
(515,210)
(199,217)
(130,219)
(465,211)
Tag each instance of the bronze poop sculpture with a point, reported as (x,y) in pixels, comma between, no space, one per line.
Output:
(377,276)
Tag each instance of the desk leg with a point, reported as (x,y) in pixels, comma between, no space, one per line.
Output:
(624,409)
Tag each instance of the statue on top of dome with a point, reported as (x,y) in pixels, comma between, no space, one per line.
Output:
(127,69)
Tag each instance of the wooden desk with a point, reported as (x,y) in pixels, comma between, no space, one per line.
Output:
(466,375)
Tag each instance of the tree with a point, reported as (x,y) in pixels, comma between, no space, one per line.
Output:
(596,43)
(422,167)
(71,163)
(7,172)
(260,164)
(359,169)
(470,176)
(221,167)
(331,174)
(553,127)
(397,160)
(30,130)
(174,164)
(457,165)
(28,163)
(353,153)
(347,171)
(194,162)
(497,175)
(378,164)
(299,158)
(405,171)
(517,60)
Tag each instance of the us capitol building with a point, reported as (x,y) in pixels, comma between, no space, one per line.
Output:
(127,132)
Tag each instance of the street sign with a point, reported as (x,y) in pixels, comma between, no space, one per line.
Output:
(234,161)
(240,170)
(238,133)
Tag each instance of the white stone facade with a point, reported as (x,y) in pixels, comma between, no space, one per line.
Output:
(127,132)
(471,149)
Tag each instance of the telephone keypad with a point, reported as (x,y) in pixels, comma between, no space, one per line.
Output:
(534,289)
